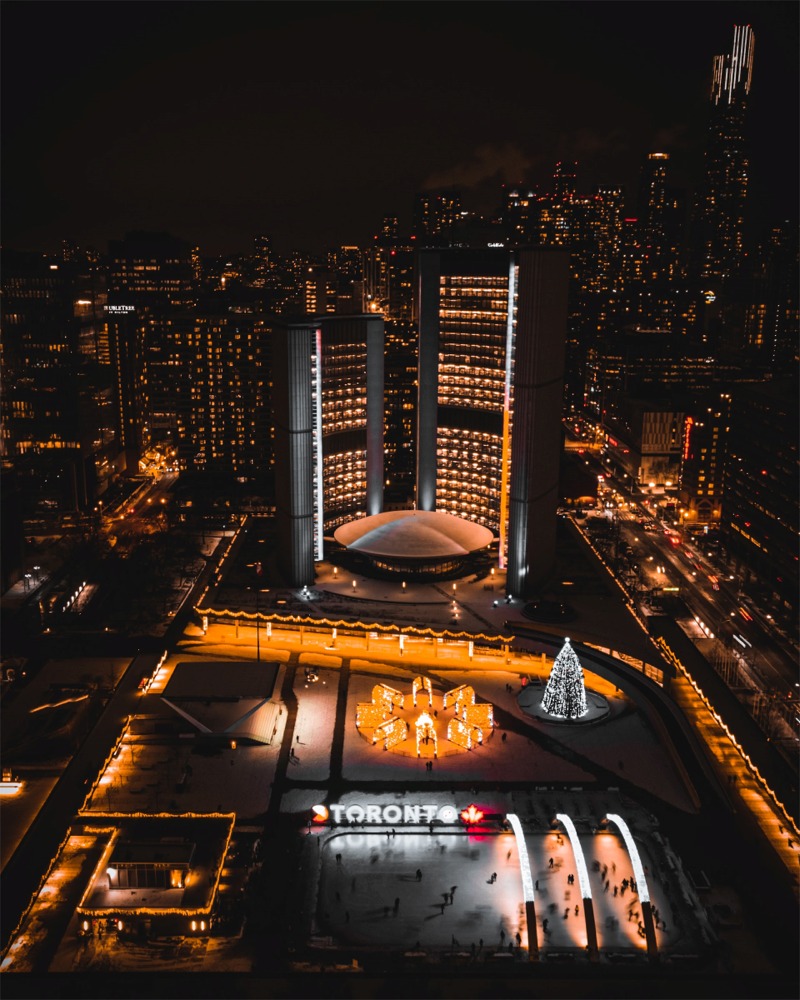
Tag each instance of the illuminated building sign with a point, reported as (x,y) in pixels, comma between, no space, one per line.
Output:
(120,309)
(393,813)
(687,438)
(471,814)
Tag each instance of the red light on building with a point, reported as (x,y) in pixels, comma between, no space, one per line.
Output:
(472,814)
(687,438)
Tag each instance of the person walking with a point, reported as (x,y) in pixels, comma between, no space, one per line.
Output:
(419,874)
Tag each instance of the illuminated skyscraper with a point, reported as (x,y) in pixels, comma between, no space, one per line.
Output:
(218,369)
(328,432)
(492,327)
(150,275)
(659,220)
(719,217)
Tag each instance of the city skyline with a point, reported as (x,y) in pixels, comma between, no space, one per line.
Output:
(311,127)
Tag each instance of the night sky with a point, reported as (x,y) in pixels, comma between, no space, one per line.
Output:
(309,122)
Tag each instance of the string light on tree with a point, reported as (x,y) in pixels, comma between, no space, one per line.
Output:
(565,695)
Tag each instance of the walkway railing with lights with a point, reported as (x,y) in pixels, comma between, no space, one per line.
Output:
(758,777)
(230,616)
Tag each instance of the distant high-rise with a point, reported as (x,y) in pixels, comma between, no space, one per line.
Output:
(262,260)
(720,210)
(48,401)
(659,220)
(150,275)
(328,432)
(218,366)
(492,328)
(760,510)
(436,217)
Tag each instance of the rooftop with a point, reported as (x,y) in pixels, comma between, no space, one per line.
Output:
(414,534)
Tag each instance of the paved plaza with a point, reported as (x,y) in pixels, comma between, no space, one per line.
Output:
(353,889)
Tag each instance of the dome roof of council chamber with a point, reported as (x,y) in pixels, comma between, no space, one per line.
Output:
(413,534)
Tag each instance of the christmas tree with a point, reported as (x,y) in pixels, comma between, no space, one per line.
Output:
(564,696)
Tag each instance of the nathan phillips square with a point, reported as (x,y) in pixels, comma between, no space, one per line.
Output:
(399,500)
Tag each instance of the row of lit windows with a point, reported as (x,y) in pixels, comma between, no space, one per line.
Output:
(473,283)
(468,508)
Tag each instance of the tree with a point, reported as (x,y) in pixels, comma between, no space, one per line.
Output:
(565,695)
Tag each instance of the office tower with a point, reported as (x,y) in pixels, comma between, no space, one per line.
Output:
(328,432)
(390,228)
(518,210)
(760,510)
(437,215)
(492,328)
(389,279)
(564,180)
(150,275)
(659,219)
(151,268)
(645,439)
(604,276)
(771,305)
(219,367)
(262,261)
(705,438)
(346,262)
(720,210)
(48,394)
(400,411)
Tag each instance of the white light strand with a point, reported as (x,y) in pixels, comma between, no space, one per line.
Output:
(577,850)
(565,695)
(633,851)
(524,863)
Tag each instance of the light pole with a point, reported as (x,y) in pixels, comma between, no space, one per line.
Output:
(259,591)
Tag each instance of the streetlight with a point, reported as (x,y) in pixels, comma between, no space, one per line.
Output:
(258,591)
